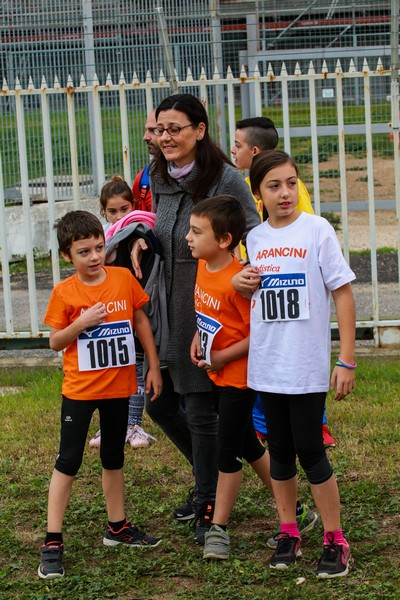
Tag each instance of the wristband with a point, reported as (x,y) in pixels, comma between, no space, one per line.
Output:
(342,363)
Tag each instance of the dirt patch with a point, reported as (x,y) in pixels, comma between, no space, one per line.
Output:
(357,189)
(360,230)
(356,179)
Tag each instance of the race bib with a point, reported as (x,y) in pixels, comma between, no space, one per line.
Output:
(281,297)
(106,346)
(208,329)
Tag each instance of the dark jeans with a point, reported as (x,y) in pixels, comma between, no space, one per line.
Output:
(193,430)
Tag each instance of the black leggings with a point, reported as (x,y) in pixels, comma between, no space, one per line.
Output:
(294,428)
(75,420)
(237,437)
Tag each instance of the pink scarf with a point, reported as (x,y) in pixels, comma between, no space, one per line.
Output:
(179,172)
(142,216)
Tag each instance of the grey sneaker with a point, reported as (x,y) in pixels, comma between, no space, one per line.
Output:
(306,521)
(216,543)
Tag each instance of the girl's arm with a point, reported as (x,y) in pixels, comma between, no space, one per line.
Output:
(343,379)
(246,281)
(145,335)
(219,358)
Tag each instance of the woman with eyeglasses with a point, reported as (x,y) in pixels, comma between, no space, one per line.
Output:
(188,168)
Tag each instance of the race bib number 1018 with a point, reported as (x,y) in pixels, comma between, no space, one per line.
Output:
(282,297)
(106,346)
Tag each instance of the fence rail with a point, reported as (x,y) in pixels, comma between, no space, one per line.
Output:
(134,100)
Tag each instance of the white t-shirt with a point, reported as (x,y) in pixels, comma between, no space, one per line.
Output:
(300,265)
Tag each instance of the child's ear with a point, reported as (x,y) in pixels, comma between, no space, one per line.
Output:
(225,241)
(66,257)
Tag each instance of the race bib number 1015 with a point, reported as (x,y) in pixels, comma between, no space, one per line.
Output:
(282,297)
(106,346)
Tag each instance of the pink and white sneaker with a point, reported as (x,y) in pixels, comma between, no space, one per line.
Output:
(96,439)
(139,438)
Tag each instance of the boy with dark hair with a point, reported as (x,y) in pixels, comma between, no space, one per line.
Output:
(92,316)
(252,136)
(220,347)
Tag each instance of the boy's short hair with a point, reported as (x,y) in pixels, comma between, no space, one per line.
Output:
(260,132)
(77,225)
(226,215)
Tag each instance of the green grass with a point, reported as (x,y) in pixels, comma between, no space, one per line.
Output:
(157,479)
(381,250)
(42,263)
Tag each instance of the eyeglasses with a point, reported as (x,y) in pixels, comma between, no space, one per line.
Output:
(171,130)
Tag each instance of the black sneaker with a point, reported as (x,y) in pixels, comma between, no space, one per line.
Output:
(287,550)
(334,561)
(203,523)
(129,536)
(51,561)
(185,512)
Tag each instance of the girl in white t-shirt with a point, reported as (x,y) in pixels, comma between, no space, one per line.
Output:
(296,265)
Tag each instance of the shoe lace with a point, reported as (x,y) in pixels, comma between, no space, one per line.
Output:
(330,550)
(191,495)
(133,531)
(283,540)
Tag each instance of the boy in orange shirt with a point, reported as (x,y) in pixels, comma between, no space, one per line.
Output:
(92,316)
(220,347)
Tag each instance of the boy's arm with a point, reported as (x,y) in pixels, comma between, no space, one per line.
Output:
(61,338)
(344,378)
(195,349)
(145,335)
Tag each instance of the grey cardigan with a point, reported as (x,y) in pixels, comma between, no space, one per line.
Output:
(172,204)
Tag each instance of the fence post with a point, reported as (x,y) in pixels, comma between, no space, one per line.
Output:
(90,71)
(173,80)
(394,41)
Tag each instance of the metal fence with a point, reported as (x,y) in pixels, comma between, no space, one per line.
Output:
(310,129)
(41,38)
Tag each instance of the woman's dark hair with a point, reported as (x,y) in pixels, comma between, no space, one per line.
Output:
(210,158)
(263,163)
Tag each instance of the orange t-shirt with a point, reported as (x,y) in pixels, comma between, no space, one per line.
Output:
(99,364)
(223,318)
